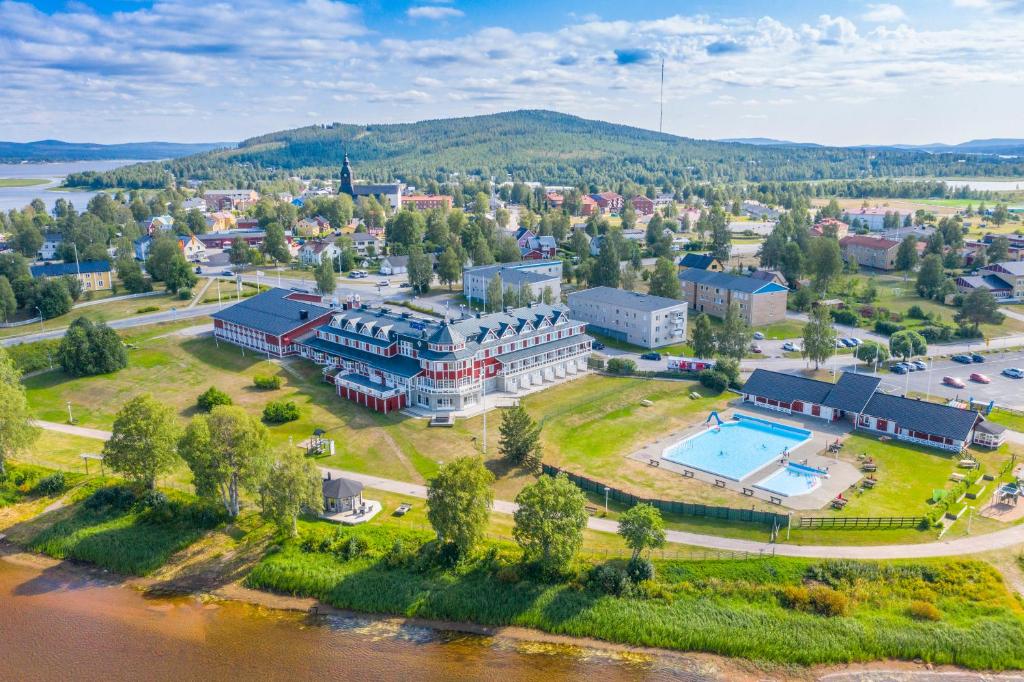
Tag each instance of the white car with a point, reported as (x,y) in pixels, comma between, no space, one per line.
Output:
(791,347)
(384,283)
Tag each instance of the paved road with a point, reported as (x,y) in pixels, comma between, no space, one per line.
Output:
(1002,539)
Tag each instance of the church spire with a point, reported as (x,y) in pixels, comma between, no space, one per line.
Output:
(347,179)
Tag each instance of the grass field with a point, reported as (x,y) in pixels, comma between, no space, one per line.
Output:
(767,610)
(105,311)
(22,182)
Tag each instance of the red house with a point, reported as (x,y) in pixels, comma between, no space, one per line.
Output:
(642,205)
(588,206)
(609,202)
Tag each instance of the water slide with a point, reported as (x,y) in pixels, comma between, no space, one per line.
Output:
(713,415)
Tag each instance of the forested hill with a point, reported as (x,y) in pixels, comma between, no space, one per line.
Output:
(58,150)
(533,145)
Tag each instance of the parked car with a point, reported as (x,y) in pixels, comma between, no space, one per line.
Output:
(651,356)
(384,283)
(227,273)
(840,344)
(980,378)
(856,341)
(199,270)
(405,284)
(953,381)
(977,358)
(1013,372)
(848,343)
(898,368)
(919,364)
(597,345)
(911,367)
(754,348)
(759,336)
(791,347)
(962,359)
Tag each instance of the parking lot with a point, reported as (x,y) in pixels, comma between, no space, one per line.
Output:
(1004,390)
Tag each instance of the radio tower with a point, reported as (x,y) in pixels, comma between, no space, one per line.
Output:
(661,97)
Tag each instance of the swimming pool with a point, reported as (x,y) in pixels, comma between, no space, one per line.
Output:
(737,448)
(793,479)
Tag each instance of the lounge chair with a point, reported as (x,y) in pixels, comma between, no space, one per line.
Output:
(869,466)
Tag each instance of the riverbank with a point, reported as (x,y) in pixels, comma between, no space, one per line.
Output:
(73,575)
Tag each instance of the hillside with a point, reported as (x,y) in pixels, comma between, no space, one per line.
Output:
(533,145)
(58,150)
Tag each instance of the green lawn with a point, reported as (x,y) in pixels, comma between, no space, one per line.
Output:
(1013,420)
(106,311)
(22,182)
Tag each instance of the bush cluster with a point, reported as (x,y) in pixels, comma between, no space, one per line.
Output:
(50,485)
(713,379)
(280,412)
(266,383)
(622,366)
(887,328)
(211,398)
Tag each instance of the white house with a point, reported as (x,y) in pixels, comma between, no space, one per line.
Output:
(51,243)
(193,249)
(366,244)
(313,252)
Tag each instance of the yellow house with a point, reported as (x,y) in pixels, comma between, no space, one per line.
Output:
(95,275)
(220,221)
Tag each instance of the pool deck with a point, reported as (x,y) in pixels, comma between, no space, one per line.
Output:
(842,475)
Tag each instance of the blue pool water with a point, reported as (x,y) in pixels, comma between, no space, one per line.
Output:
(737,448)
(791,480)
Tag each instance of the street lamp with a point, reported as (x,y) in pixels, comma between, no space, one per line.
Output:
(606,489)
(40,311)
(71,419)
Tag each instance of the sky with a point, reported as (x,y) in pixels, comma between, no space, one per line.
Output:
(838,72)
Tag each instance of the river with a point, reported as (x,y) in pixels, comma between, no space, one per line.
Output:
(59,622)
(54,173)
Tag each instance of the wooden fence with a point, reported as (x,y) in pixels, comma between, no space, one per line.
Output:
(841,522)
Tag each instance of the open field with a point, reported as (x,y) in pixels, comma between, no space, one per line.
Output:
(22,182)
(105,311)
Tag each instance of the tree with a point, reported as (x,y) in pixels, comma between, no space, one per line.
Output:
(819,336)
(91,348)
(999,250)
(143,441)
(459,502)
(8,302)
(449,267)
(240,251)
(292,485)
(703,340)
(642,527)
(227,453)
(194,221)
(907,343)
(162,253)
(52,298)
(871,351)
(606,271)
(134,281)
(16,429)
(520,438)
(495,293)
(324,276)
(421,270)
(979,307)
(405,229)
(180,275)
(824,262)
(549,522)
(211,398)
(734,337)
(1000,214)
(930,276)
(275,245)
(665,280)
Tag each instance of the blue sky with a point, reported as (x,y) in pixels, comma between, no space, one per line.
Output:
(832,72)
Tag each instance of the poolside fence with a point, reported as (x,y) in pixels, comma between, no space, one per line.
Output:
(767,518)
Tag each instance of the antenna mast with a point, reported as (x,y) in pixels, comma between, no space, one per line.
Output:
(661,97)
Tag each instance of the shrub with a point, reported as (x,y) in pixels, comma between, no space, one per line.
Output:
(937,332)
(640,569)
(795,597)
(147,309)
(50,485)
(595,363)
(712,379)
(447,554)
(184,294)
(623,366)
(118,497)
(608,579)
(280,411)
(915,312)
(265,383)
(398,555)
(152,498)
(31,357)
(353,548)
(211,398)
(827,601)
(924,610)
(847,317)
(508,574)
(887,328)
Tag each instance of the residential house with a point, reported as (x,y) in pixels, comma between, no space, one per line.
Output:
(642,205)
(316,226)
(535,275)
(770,276)
(193,249)
(873,218)
(554,199)
(827,225)
(366,244)
(197,203)
(855,397)
(51,245)
(756,209)
(588,206)
(867,251)
(230,199)
(141,246)
(609,202)
(399,265)
(314,251)
(664,199)
(710,292)
(95,275)
(701,261)
(639,319)
(158,224)
(220,221)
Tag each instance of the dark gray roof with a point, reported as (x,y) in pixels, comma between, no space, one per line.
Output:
(512,273)
(786,387)
(989,282)
(624,299)
(384,188)
(852,392)
(341,487)
(992,428)
(701,261)
(397,364)
(58,269)
(923,416)
(726,281)
(1012,267)
(530,352)
(271,312)
(447,335)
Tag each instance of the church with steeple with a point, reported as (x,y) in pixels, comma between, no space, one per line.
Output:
(388,191)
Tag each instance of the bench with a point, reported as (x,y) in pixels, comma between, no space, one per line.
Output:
(869,482)
(838,503)
(687,474)
(591,509)
(654,463)
(748,492)
(719,483)
(956,478)
(869,466)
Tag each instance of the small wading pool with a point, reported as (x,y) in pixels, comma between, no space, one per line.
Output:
(792,480)
(737,448)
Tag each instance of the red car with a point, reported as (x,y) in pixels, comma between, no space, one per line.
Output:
(952,381)
(980,378)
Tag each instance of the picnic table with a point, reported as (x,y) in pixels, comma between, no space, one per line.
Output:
(402,509)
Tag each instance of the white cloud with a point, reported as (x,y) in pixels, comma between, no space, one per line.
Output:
(884,13)
(433,12)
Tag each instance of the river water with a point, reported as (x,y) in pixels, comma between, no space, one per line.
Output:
(54,173)
(58,624)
